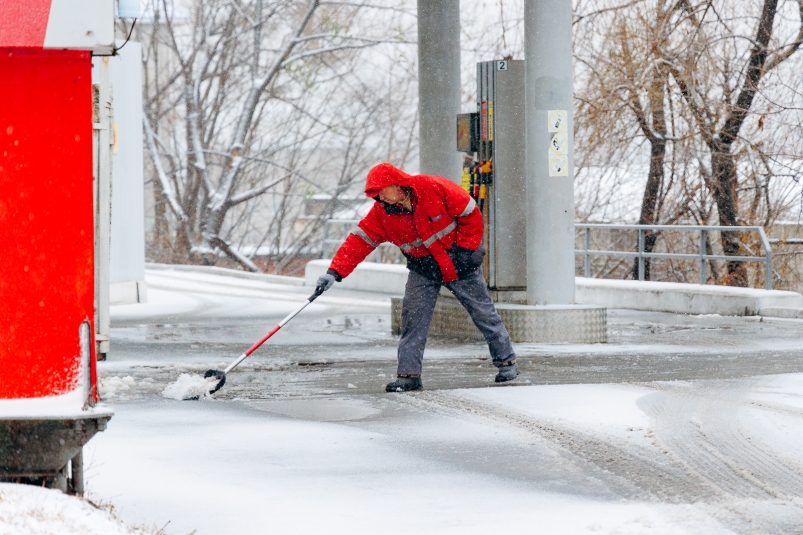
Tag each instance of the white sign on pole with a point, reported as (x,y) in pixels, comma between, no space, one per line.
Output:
(558,120)
(558,165)
(559,144)
(557,156)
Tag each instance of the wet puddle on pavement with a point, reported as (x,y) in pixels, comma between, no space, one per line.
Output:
(364,322)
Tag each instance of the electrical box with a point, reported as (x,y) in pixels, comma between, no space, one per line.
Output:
(467,132)
(496,176)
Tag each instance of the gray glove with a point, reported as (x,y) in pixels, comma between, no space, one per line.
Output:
(326,281)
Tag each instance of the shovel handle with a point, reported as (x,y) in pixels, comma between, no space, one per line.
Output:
(318,291)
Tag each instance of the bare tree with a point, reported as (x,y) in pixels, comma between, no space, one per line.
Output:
(636,62)
(626,92)
(243,139)
(720,115)
(245,97)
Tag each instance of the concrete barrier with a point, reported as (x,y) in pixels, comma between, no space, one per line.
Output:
(525,323)
(782,312)
(264,277)
(637,295)
(682,298)
(368,277)
(127,293)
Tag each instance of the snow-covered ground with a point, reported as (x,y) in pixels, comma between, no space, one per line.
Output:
(29,510)
(235,468)
(674,427)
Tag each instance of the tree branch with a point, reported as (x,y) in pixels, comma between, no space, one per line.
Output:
(699,111)
(167,186)
(371,6)
(605,10)
(218,198)
(255,192)
(325,50)
(755,71)
(238,257)
(792,47)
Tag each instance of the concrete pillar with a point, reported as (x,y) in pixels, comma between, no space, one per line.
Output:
(104,137)
(550,167)
(439,87)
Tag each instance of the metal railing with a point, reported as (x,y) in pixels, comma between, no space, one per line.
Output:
(346,226)
(702,257)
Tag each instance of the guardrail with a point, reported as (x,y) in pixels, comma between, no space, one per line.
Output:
(702,257)
(347,225)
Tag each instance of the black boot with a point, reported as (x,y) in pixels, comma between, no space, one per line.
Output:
(507,373)
(405,384)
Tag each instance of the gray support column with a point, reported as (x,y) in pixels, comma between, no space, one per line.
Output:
(550,166)
(77,468)
(103,200)
(439,87)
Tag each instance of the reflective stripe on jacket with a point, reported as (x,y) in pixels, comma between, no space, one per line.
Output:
(443,215)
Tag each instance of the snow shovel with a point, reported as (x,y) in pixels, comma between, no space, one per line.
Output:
(221,375)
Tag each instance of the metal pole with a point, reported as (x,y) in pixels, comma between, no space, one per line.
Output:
(587,270)
(550,173)
(105,139)
(768,261)
(325,239)
(702,257)
(439,87)
(641,254)
(77,479)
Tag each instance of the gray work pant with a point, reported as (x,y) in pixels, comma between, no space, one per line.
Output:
(420,296)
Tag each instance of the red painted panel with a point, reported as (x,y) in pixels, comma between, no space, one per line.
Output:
(23,22)
(46,219)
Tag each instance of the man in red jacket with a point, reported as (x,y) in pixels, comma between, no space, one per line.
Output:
(438,227)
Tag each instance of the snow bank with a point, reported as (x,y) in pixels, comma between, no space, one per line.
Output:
(189,386)
(681,298)
(29,510)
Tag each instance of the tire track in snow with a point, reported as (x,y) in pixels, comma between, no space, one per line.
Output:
(711,435)
(631,471)
(746,488)
(679,441)
(708,428)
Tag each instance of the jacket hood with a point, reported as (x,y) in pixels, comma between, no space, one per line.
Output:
(384,175)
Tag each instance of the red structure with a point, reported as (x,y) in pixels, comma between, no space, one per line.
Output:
(50,124)
(46,219)
(26,23)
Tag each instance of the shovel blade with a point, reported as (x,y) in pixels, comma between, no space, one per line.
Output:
(217,374)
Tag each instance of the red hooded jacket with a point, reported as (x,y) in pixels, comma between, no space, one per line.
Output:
(443,216)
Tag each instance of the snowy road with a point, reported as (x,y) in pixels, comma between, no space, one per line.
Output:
(681,424)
